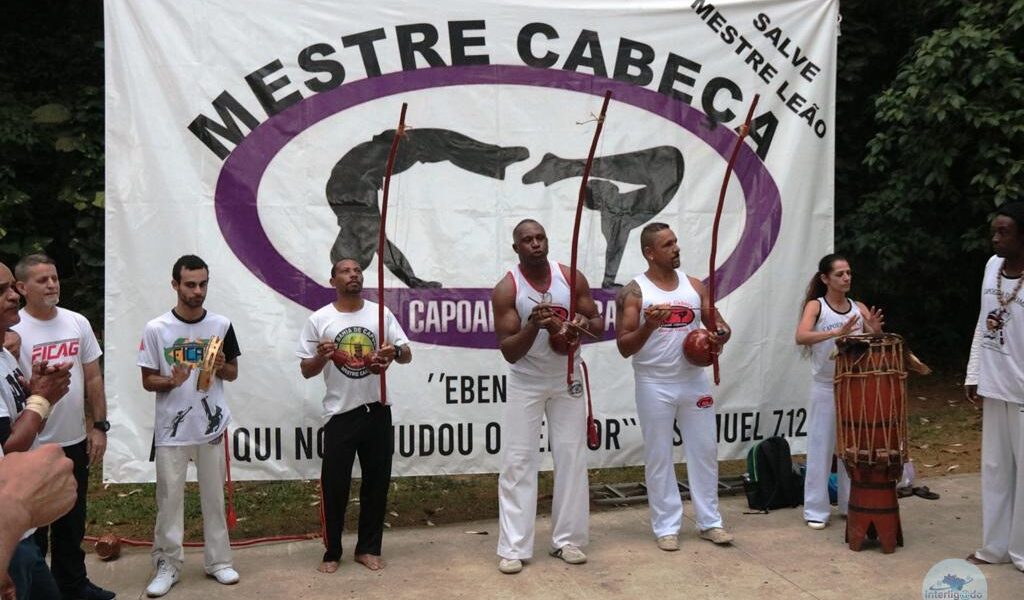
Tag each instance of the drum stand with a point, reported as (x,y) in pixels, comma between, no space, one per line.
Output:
(874,511)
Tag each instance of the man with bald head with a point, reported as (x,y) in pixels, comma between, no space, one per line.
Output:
(531,320)
(342,340)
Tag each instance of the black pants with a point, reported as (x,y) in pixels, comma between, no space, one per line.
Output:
(67,560)
(364,432)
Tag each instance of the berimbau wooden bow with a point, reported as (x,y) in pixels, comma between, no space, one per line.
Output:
(713,315)
(381,240)
(592,440)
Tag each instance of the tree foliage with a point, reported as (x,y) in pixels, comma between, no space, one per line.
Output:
(944,149)
(51,143)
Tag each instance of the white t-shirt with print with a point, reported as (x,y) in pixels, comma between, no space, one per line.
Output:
(68,336)
(12,398)
(184,415)
(347,376)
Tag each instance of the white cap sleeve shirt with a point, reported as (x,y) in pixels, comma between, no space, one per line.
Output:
(350,384)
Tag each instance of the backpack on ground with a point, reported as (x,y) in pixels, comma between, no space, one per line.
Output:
(771,481)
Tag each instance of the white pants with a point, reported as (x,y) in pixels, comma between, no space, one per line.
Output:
(821,445)
(1002,483)
(529,400)
(171,468)
(659,405)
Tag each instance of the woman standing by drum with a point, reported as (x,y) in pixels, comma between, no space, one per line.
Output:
(827,314)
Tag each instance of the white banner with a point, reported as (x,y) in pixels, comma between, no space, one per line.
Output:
(255,133)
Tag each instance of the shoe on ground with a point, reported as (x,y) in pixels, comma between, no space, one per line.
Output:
(717,535)
(166,576)
(225,576)
(570,554)
(669,543)
(817,524)
(91,591)
(510,566)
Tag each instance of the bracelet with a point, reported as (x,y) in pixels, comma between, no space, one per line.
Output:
(38,405)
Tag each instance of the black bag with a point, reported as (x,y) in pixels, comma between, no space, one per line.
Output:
(771,481)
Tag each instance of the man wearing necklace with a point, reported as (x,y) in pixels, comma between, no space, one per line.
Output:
(995,373)
(654,314)
(530,319)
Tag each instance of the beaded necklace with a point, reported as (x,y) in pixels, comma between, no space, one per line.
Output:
(1005,300)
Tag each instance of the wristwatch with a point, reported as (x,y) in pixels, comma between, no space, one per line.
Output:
(399,351)
(103,426)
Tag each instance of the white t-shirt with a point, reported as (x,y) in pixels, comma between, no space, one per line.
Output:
(823,363)
(541,361)
(186,416)
(347,377)
(661,357)
(66,337)
(1000,354)
(12,399)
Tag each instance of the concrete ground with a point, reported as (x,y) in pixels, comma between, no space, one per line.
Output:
(774,556)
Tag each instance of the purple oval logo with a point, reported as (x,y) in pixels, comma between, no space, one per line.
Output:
(236,194)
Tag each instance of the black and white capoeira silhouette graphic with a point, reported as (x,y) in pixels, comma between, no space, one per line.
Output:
(359,175)
(658,170)
(212,418)
(356,179)
(178,418)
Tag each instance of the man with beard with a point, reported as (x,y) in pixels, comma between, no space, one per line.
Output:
(530,309)
(172,350)
(655,312)
(51,333)
(346,333)
(995,374)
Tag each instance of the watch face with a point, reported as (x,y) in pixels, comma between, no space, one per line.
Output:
(102,425)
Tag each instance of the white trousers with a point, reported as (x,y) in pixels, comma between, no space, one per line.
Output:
(821,445)
(659,405)
(1002,483)
(171,469)
(528,402)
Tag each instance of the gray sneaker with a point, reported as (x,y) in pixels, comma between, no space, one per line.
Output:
(510,566)
(570,554)
(717,535)
(669,543)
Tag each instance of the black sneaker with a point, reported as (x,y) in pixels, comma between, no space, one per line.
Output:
(91,591)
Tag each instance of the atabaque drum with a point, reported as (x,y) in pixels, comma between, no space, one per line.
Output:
(871,402)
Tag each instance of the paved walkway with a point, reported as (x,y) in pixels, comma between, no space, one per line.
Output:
(774,556)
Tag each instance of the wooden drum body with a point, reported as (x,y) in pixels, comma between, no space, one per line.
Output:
(871,433)
(871,402)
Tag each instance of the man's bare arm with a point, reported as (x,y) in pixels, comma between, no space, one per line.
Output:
(514,337)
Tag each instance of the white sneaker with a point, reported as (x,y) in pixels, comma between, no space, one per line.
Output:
(570,554)
(510,566)
(166,576)
(817,524)
(225,576)
(669,543)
